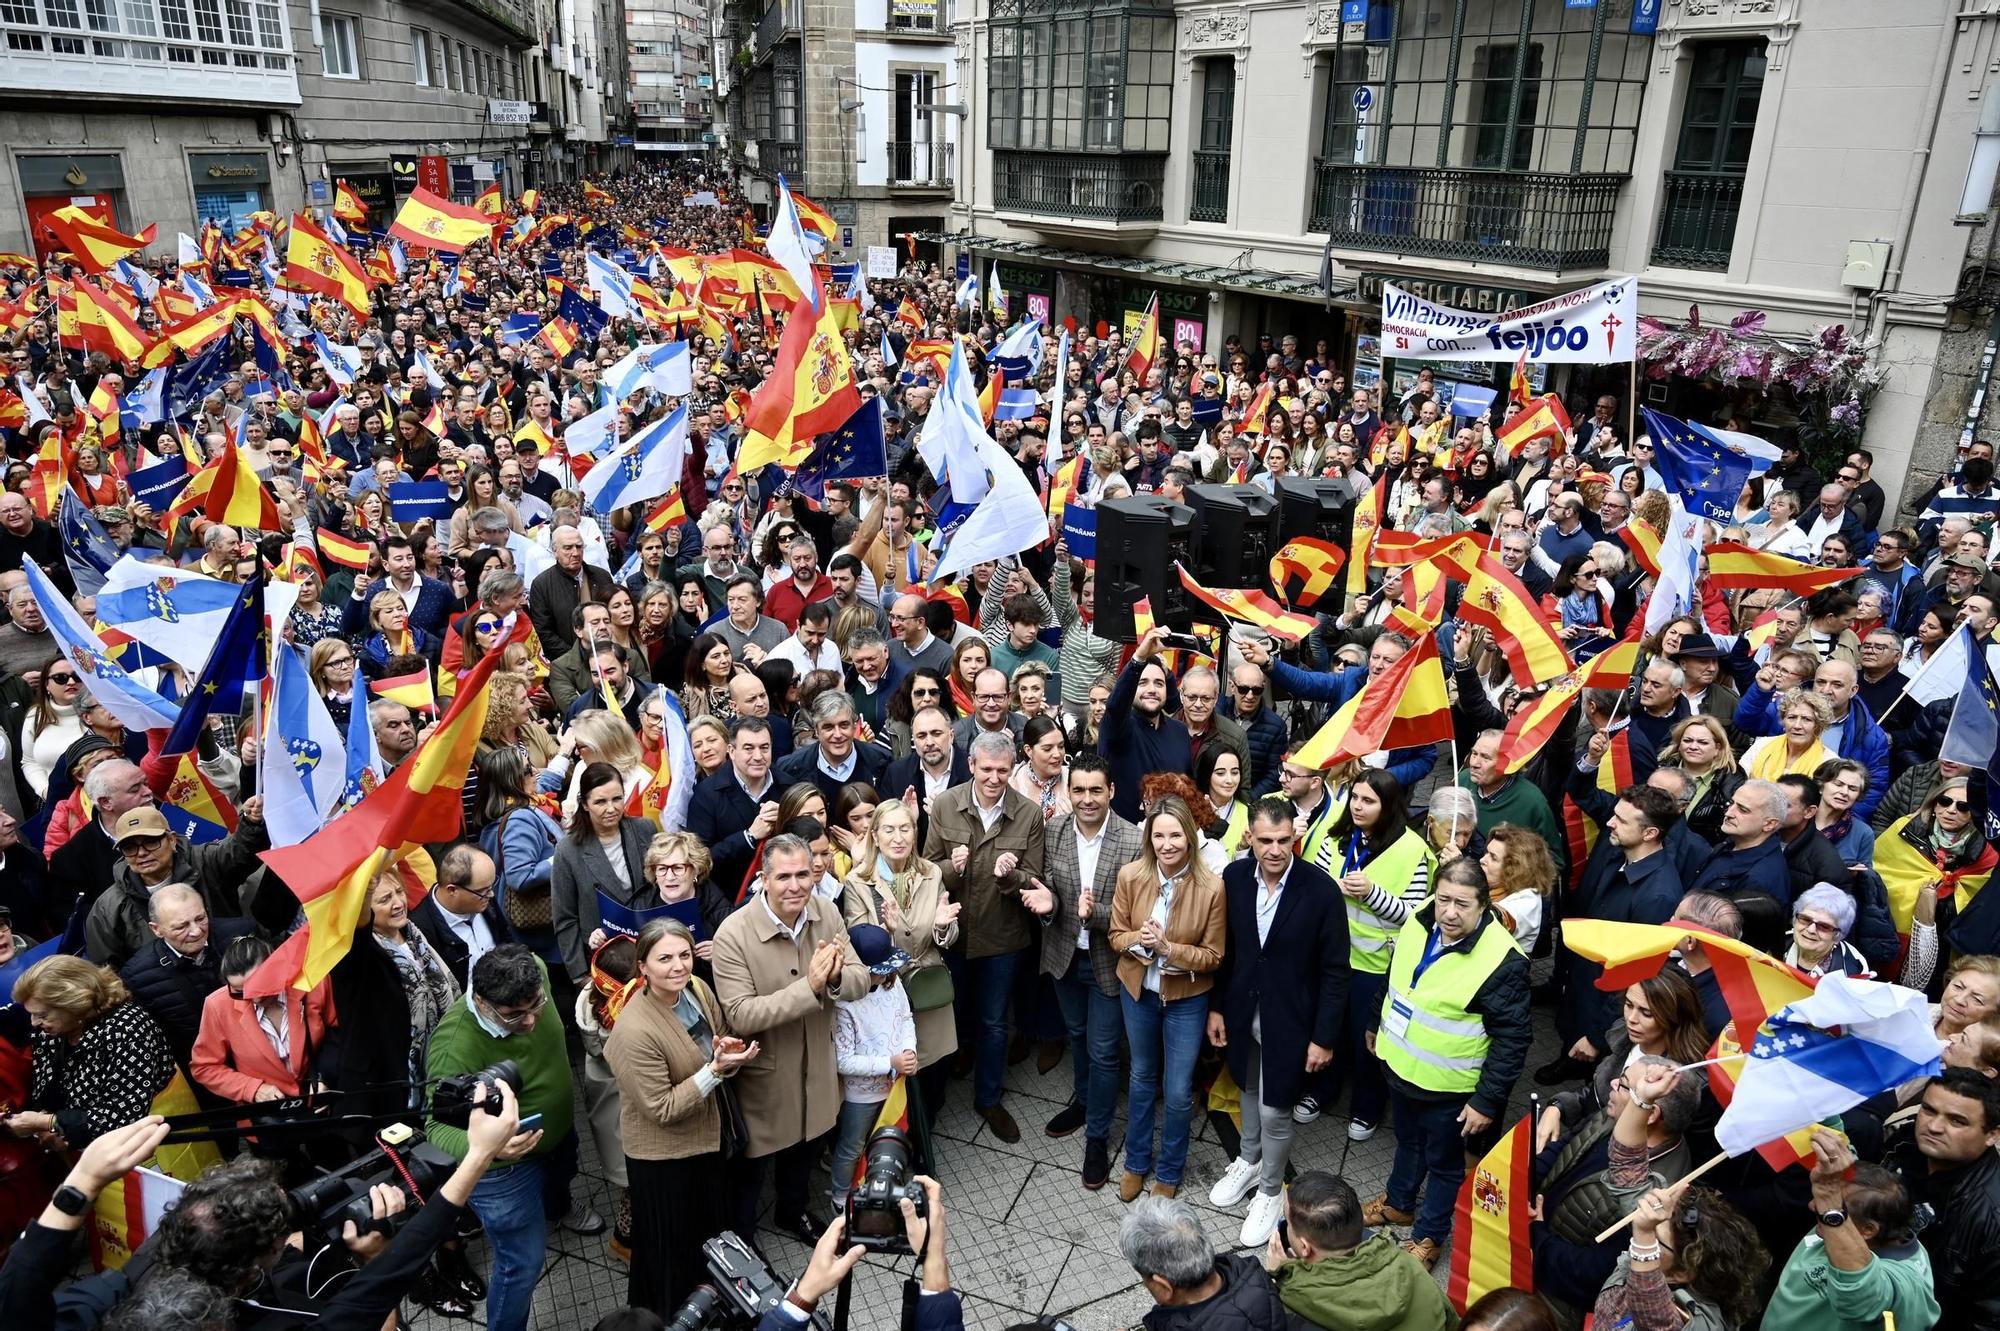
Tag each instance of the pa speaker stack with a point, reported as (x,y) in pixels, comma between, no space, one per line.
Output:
(1236,533)
(1138,542)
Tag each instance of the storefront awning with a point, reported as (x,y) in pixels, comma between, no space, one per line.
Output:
(1249,281)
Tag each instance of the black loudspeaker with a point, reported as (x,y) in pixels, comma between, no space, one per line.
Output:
(1236,533)
(1315,506)
(1138,542)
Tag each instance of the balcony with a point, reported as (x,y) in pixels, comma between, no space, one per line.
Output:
(1208,200)
(1698,220)
(920,165)
(148,61)
(1089,187)
(1557,222)
(783,155)
(780,20)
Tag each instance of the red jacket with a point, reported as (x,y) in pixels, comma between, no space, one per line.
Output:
(233,1056)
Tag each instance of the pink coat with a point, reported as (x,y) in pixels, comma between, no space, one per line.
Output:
(233,1056)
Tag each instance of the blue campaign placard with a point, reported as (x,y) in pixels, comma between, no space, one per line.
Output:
(1079,529)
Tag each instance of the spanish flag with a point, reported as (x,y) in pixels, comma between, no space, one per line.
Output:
(412,690)
(347,204)
(49,474)
(1063,486)
(314,263)
(1259,410)
(928,353)
(489,202)
(531,430)
(1794,1148)
(96,245)
(669,512)
(439,224)
(1642,538)
(595,195)
(1905,870)
(989,396)
(1519,390)
(1368,509)
(104,325)
(810,391)
(895,1113)
(813,217)
(13,411)
(1405,705)
(1315,563)
(1542,416)
(908,313)
(559,336)
(1489,1228)
(1733,566)
(193,333)
(1496,599)
(228,491)
(1250,607)
(1146,342)
(530,200)
(1533,725)
(332,870)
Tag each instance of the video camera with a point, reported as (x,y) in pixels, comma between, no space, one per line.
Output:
(321,1207)
(741,1288)
(874,1209)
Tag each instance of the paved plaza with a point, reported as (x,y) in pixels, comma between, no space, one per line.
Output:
(1026,1240)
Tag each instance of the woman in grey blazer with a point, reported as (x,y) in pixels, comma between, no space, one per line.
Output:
(605,851)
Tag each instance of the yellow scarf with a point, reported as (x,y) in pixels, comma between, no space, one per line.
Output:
(1766,759)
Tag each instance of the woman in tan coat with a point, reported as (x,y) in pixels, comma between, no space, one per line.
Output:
(1168,923)
(670,1049)
(893,886)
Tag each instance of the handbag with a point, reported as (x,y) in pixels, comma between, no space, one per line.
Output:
(928,987)
(735,1132)
(527,907)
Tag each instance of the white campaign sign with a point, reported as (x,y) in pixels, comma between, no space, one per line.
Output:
(881,261)
(1591,327)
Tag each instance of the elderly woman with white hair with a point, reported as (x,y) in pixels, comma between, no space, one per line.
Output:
(1451,825)
(1817,943)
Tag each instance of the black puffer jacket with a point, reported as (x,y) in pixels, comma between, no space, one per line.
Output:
(1964,1236)
(173,987)
(1247,1301)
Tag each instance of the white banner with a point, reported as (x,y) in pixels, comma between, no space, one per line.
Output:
(1590,327)
(882,261)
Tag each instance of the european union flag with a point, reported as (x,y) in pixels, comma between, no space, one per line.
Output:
(1973,733)
(590,318)
(562,237)
(234,670)
(195,378)
(88,551)
(856,449)
(1708,472)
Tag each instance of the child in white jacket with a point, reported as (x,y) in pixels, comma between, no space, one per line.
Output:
(874,1042)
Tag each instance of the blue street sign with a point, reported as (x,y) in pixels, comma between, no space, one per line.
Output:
(1579,4)
(1364,97)
(1354,11)
(1646,16)
(964,266)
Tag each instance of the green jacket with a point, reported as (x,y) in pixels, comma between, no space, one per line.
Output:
(1815,1295)
(460,1044)
(1377,1287)
(1521,803)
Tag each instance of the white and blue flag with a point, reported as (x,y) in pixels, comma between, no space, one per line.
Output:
(645,467)
(787,244)
(176,612)
(612,284)
(594,433)
(340,363)
(303,764)
(136,706)
(144,285)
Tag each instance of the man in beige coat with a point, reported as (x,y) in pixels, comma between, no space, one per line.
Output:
(780,963)
(988,838)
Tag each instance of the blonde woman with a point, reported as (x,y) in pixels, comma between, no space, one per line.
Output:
(98,1058)
(1168,927)
(1700,747)
(678,864)
(894,886)
(1796,749)
(594,737)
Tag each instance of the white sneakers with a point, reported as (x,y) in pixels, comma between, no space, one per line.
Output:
(1265,1213)
(1235,1183)
(1359,1131)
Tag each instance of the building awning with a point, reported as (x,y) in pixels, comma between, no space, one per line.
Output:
(1249,281)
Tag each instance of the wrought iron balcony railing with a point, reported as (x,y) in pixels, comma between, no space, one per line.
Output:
(1558,222)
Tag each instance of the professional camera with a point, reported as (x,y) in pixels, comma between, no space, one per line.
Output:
(740,1289)
(451,1097)
(321,1207)
(874,1210)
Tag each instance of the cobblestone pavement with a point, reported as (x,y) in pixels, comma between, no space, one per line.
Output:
(1025,1238)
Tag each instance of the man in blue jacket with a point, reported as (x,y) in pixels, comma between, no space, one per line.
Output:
(1408,766)
(1853,733)
(1139,735)
(1752,858)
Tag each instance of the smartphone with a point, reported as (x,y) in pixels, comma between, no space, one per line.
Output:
(1184,641)
(531,1122)
(1284,1236)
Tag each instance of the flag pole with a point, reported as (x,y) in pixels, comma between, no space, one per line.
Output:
(1711,1163)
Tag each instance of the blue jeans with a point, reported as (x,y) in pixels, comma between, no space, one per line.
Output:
(1096,1026)
(509,1205)
(850,1134)
(1166,1039)
(1430,1154)
(983,987)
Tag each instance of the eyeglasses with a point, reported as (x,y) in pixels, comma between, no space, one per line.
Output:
(930,691)
(339,660)
(513,1020)
(483,893)
(1953,802)
(1586,573)
(1813,925)
(131,843)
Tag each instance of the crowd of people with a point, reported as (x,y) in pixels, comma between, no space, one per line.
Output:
(940,829)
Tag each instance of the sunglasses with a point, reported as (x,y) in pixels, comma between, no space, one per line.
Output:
(1953,802)
(1248,690)
(488,626)
(67,678)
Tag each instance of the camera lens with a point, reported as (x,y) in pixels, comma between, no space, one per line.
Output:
(694,1314)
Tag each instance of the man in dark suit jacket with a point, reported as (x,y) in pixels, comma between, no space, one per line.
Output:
(432,611)
(834,759)
(932,766)
(1077,952)
(461,919)
(556,592)
(737,808)
(1280,1001)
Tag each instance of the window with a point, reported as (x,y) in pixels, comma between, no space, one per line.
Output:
(420,56)
(1100,80)
(464,68)
(1209,201)
(1703,194)
(1499,107)
(451,68)
(785,106)
(339,43)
